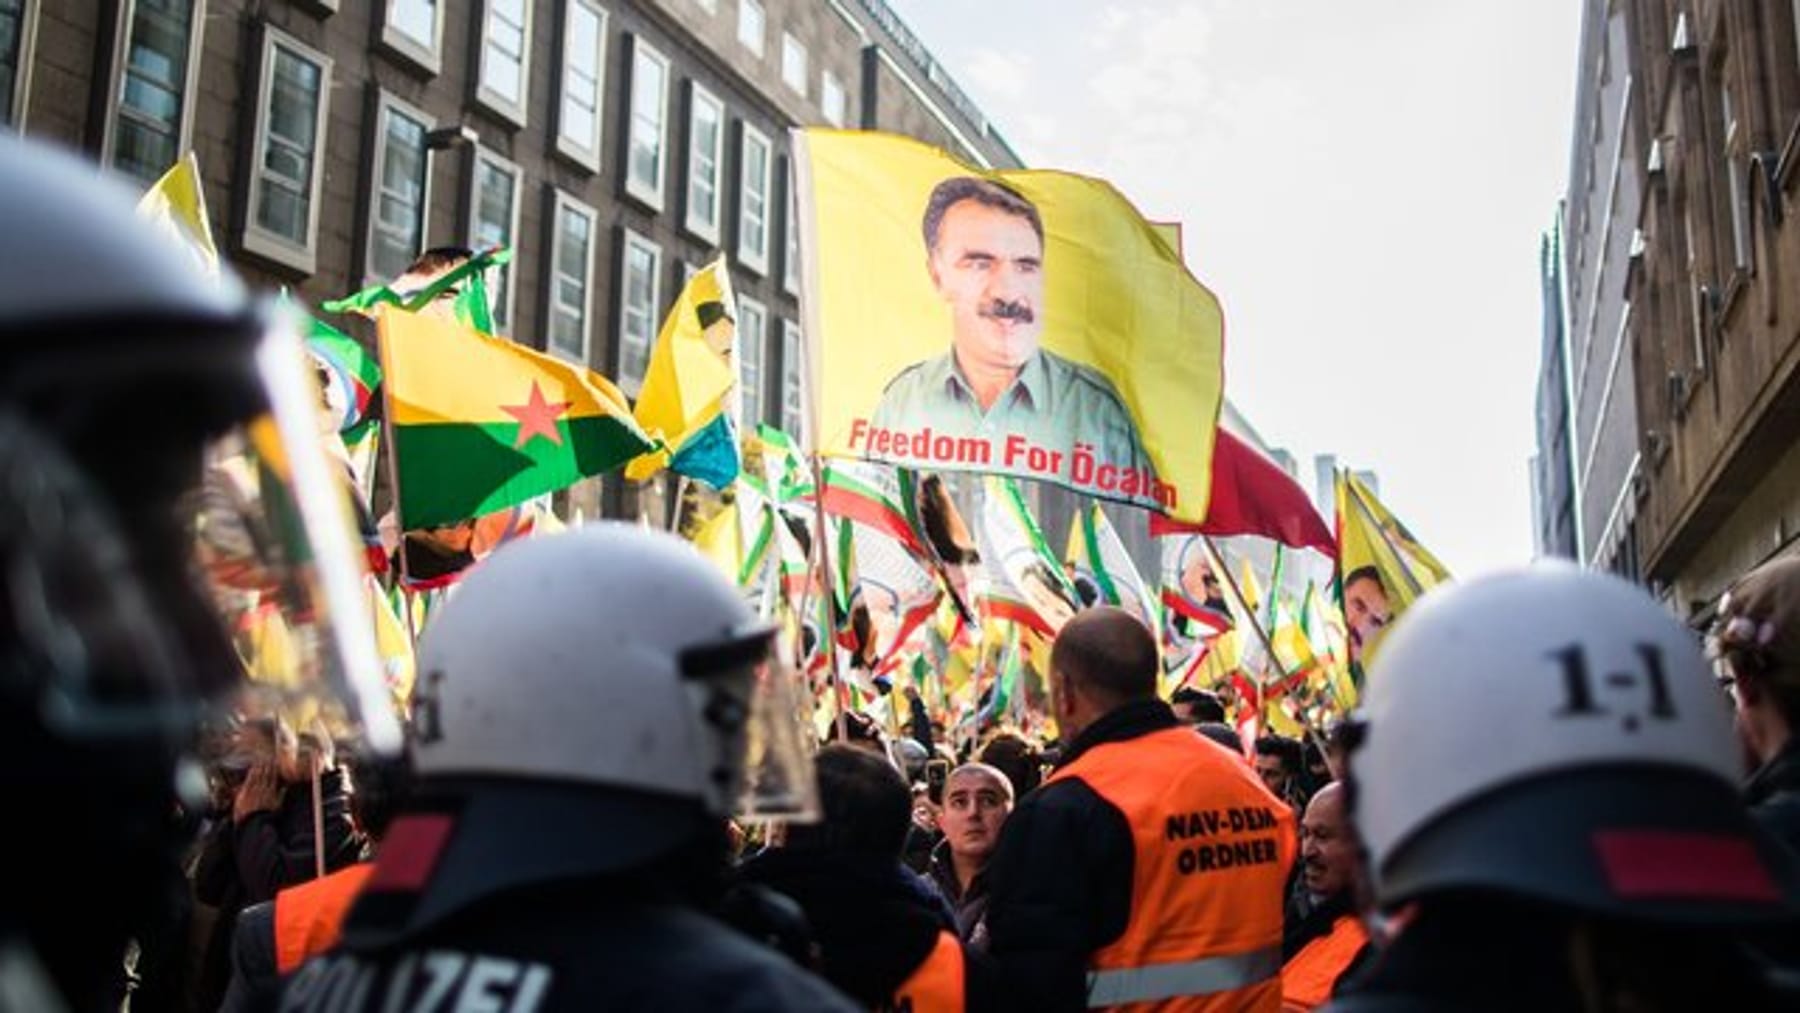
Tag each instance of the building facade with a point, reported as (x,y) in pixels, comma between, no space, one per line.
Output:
(1714,282)
(616,145)
(1600,219)
(1552,467)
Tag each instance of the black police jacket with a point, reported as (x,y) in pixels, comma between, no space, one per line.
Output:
(1484,953)
(541,951)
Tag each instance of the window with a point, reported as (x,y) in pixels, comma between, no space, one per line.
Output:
(790,232)
(18,28)
(503,76)
(1796,18)
(149,122)
(1735,172)
(753,323)
(750,25)
(292,97)
(793,63)
(638,303)
(1740,215)
(706,146)
(583,71)
(572,260)
(494,221)
(753,201)
(415,30)
(402,178)
(833,102)
(791,404)
(649,101)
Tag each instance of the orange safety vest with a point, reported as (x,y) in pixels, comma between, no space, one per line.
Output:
(309,917)
(1308,978)
(1212,852)
(937,985)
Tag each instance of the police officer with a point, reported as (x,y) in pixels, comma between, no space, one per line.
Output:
(124,371)
(1148,871)
(1546,787)
(581,719)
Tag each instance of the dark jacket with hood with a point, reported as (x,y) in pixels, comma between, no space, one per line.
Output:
(874,922)
(1774,795)
(970,905)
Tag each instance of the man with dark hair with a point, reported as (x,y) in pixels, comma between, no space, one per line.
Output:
(1010,754)
(984,246)
(1149,867)
(1197,706)
(1366,609)
(883,937)
(1278,764)
(274,937)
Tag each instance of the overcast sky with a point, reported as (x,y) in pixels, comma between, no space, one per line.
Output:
(1364,185)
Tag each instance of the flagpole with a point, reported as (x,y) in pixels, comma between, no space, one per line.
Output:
(1368,517)
(828,637)
(393,468)
(674,518)
(1217,560)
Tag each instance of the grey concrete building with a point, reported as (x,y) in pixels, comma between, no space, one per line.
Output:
(1552,466)
(1605,189)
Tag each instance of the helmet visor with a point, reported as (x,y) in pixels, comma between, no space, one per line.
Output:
(747,697)
(276,548)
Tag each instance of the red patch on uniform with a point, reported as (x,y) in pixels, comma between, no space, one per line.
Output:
(1663,864)
(410,851)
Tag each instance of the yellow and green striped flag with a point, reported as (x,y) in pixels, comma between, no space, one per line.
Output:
(481,424)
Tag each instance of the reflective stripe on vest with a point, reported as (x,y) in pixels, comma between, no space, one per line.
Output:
(310,917)
(1190,977)
(937,985)
(1307,980)
(1211,853)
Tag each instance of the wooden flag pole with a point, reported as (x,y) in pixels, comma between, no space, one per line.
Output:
(828,637)
(1368,517)
(1217,561)
(387,451)
(318,813)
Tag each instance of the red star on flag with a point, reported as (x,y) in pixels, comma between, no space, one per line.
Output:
(537,417)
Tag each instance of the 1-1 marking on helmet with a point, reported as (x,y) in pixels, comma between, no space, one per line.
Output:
(1578,685)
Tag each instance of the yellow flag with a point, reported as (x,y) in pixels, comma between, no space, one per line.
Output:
(692,372)
(719,541)
(1382,568)
(1025,323)
(394,646)
(177,205)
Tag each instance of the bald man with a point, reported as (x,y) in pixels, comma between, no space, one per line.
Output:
(1149,869)
(977,799)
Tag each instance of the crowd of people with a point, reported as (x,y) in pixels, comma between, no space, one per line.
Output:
(1551,799)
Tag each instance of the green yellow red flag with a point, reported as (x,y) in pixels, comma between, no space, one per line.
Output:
(480,423)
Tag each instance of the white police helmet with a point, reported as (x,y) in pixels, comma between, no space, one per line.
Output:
(588,703)
(1553,733)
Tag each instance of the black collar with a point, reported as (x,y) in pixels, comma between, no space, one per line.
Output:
(1121,724)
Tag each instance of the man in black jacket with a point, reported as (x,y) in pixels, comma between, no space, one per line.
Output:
(1148,845)
(877,930)
(274,842)
(977,799)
